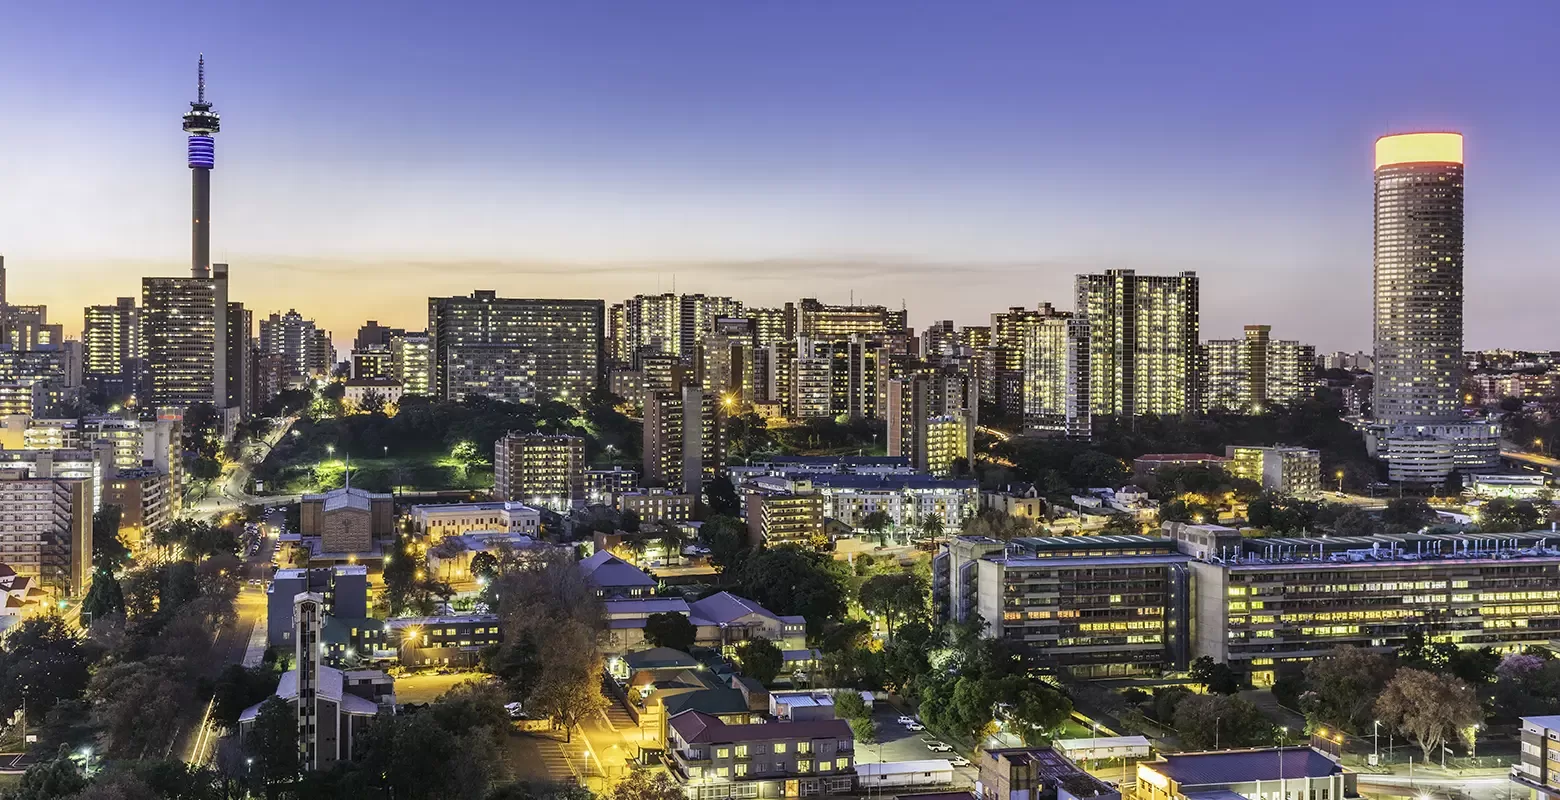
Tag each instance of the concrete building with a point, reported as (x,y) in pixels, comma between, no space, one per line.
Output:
(1298,772)
(375,361)
(180,320)
(906,499)
(1149,463)
(411,362)
(1054,348)
(603,484)
(776,518)
(435,522)
(342,591)
(448,641)
(658,505)
(94,464)
(1295,471)
(356,393)
(1245,375)
(950,445)
(517,350)
(1419,313)
(766,760)
(145,501)
(46,530)
(303,347)
(1093,606)
(1020,500)
(670,324)
(684,438)
(1144,334)
(540,469)
(332,707)
(1536,773)
(111,348)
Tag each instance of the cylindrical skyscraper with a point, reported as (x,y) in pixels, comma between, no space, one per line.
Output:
(1419,277)
(201,122)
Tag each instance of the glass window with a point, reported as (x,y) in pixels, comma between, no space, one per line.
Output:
(742,751)
(723,752)
(779,747)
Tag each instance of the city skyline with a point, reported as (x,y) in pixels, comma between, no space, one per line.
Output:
(869,187)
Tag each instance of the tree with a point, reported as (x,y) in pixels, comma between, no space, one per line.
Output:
(791,580)
(851,707)
(1502,515)
(895,596)
(104,598)
(273,744)
(1429,708)
(50,780)
(670,629)
(645,785)
(238,688)
(1037,711)
(43,664)
(877,523)
(1208,721)
(726,539)
(484,565)
(1093,468)
(108,552)
(138,704)
(630,521)
(932,526)
(1342,687)
(1404,514)
(761,659)
(722,497)
(1215,677)
(373,403)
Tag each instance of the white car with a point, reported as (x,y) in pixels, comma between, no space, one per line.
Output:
(959,761)
(939,747)
(905,719)
(914,726)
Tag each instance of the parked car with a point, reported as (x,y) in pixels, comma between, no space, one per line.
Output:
(905,719)
(939,747)
(959,761)
(914,726)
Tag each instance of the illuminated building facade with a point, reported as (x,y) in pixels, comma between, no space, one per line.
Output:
(46,529)
(1054,355)
(1143,342)
(1245,375)
(514,349)
(1295,471)
(782,517)
(411,362)
(111,348)
(537,468)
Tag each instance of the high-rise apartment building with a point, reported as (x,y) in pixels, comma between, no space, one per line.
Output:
(684,438)
(179,329)
(302,347)
(46,529)
(516,349)
(1245,375)
(725,367)
(668,323)
(820,321)
(773,325)
(940,340)
(411,362)
(930,422)
(1144,334)
(240,356)
(1053,354)
(111,348)
(540,469)
(1417,406)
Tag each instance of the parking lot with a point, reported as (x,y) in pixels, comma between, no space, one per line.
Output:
(896,743)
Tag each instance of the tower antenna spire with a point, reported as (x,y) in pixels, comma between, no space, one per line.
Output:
(200,71)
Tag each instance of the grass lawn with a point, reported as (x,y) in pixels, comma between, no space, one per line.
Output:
(409,472)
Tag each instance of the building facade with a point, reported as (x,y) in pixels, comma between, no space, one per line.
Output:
(111,348)
(1245,375)
(516,349)
(1295,471)
(684,438)
(538,468)
(1144,334)
(46,530)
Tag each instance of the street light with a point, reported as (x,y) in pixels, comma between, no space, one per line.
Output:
(1340,481)
(330,449)
(86,760)
(1375,739)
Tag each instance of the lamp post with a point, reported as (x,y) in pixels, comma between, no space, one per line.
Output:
(1340,481)
(1375,739)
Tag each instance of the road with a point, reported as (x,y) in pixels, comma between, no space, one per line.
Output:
(1480,787)
(230,493)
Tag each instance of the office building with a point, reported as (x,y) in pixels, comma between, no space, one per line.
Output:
(785,517)
(1419,313)
(715,759)
(179,325)
(540,469)
(111,348)
(46,529)
(1293,772)
(333,708)
(684,438)
(1094,606)
(1245,375)
(1294,471)
(1144,333)
(516,350)
(817,320)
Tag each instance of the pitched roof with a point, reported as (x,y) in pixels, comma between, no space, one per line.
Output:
(724,607)
(1205,769)
(659,658)
(706,701)
(605,569)
(695,726)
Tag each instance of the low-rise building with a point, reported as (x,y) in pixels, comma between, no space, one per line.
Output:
(449,641)
(1033,773)
(358,391)
(657,505)
(906,499)
(347,520)
(1015,500)
(1300,772)
(438,521)
(612,577)
(451,558)
(1519,486)
(603,484)
(1537,771)
(1295,471)
(766,760)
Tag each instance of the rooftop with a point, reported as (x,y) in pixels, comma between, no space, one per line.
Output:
(1174,457)
(1239,766)
(696,727)
(471,508)
(604,569)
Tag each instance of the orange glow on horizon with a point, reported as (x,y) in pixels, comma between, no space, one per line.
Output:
(1414,148)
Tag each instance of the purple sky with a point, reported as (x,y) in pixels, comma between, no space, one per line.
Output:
(959,157)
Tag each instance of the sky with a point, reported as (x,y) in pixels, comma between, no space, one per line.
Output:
(956,157)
